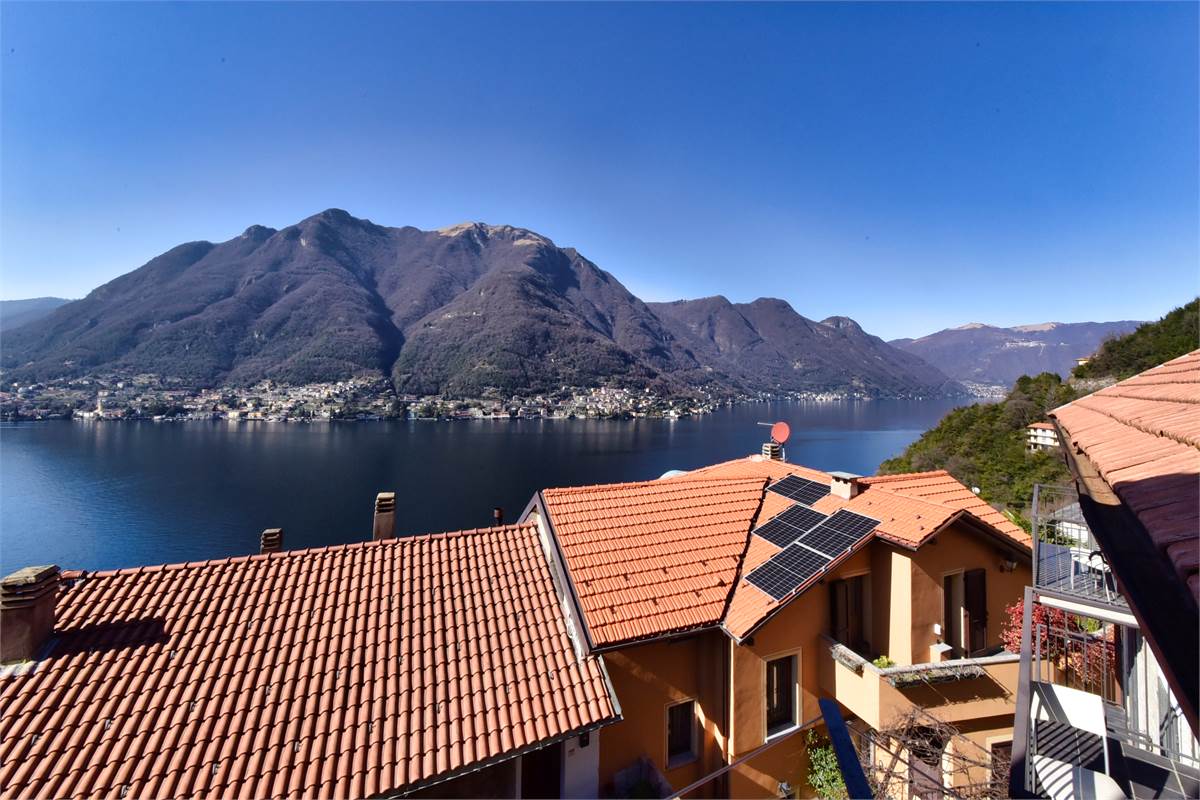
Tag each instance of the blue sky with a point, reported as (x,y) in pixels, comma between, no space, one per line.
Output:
(912,166)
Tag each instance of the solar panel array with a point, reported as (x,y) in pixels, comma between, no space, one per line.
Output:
(808,553)
(801,490)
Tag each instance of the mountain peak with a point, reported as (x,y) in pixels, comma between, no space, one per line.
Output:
(971,326)
(481,230)
(842,324)
(258,232)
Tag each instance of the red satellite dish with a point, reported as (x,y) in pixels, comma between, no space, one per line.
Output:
(780,432)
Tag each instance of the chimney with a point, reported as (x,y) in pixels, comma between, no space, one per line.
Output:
(498,515)
(772,451)
(27,600)
(385,516)
(844,485)
(271,541)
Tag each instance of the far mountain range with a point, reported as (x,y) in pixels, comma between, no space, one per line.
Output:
(459,311)
(979,353)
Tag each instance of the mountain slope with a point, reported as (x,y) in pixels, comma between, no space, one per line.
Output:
(455,311)
(15,313)
(987,354)
(766,345)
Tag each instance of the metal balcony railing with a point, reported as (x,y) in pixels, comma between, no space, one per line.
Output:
(1066,557)
(1090,698)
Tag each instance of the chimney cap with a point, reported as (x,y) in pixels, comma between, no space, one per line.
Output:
(30,575)
(844,476)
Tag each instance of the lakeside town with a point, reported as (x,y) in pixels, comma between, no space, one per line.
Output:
(151,397)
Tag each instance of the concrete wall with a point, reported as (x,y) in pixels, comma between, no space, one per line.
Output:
(581,767)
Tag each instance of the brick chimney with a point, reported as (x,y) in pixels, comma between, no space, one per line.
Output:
(271,541)
(498,516)
(385,516)
(772,451)
(844,485)
(27,600)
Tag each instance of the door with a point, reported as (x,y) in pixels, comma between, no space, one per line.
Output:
(975,601)
(541,772)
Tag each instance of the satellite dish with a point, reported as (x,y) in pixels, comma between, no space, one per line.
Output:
(780,432)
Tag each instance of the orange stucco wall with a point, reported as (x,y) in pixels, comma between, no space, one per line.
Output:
(647,679)
(956,550)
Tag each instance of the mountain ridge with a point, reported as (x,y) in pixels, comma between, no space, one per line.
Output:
(457,311)
(989,354)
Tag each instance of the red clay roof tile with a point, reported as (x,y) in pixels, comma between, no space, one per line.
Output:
(342,671)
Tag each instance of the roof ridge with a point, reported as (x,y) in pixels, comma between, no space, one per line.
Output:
(302,551)
(873,479)
(675,481)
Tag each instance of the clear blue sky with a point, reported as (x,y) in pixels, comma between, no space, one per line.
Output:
(912,166)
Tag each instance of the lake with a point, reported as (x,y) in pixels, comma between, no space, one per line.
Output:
(103,495)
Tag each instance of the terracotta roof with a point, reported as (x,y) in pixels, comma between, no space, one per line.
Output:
(1143,437)
(333,672)
(658,557)
(653,557)
(940,489)
(911,508)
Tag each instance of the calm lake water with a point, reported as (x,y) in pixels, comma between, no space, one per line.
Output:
(103,495)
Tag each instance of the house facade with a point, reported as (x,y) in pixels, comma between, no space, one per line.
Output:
(719,666)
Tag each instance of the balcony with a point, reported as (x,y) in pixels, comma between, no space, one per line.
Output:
(1067,560)
(1094,717)
(951,691)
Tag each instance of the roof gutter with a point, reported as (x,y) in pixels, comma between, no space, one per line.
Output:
(1165,610)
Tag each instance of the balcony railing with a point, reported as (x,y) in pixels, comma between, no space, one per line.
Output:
(1092,718)
(1066,557)
(954,690)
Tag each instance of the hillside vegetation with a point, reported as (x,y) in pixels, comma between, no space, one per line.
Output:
(983,445)
(1148,346)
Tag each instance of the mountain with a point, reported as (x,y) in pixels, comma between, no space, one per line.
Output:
(454,311)
(986,354)
(1154,343)
(767,345)
(14,313)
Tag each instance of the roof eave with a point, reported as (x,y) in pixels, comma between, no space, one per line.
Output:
(1165,609)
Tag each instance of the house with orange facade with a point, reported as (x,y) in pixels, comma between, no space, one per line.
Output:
(728,600)
(668,637)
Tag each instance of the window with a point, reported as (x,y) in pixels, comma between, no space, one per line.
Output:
(681,733)
(781,694)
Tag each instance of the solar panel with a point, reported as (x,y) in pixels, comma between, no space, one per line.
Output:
(829,541)
(800,561)
(774,580)
(778,533)
(852,524)
(801,490)
(802,517)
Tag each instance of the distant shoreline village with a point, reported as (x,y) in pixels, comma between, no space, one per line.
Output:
(148,397)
